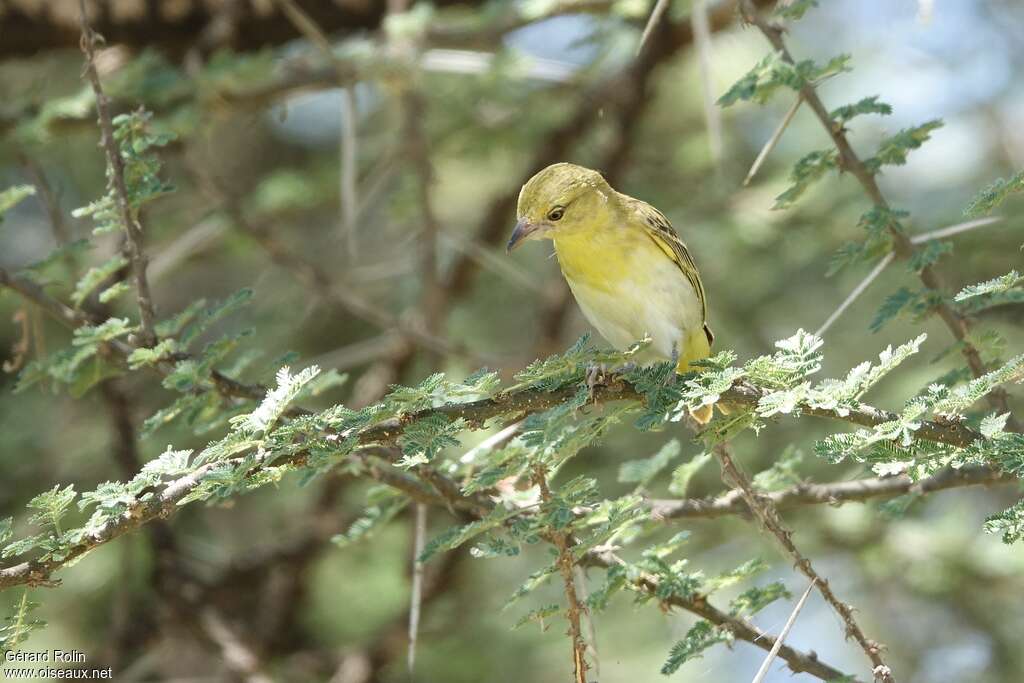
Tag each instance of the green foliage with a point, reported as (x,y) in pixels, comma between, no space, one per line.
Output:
(410,437)
(700,637)
(753,600)
(539,616)
(869,105)
(794,10)
(682,475)
(929,255)
(996,285)
(51,506)
(879,222)
(1009,523)
(774,72)
(424,439)
(905,302)
(986,201)
(642,472)
(19,626)
(383,505)
(456,536)
(12,195)
(783,472)
(135,139)
(806,172)
(277,400)
(893,150)
(96,276)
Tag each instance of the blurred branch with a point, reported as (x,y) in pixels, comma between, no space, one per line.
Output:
(348,139)
(772,141)
(386,434)
(859,490)
(712,115)
(855,293)
(903,246)
(620,91)
(941,233)
(32,26)
(73,319)
(318,280)
(764,510)
(566,566)
(116,180)
(652,21)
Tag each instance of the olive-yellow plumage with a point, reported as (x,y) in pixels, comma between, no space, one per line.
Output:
(630,273)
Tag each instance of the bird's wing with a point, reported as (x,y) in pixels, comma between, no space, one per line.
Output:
(664,235)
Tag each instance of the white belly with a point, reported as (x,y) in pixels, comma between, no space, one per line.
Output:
(661,305)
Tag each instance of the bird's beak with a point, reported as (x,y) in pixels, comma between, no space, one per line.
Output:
(520,234)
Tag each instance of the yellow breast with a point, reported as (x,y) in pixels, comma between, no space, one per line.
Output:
(629,288)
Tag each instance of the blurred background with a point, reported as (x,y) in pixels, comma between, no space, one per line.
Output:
(311,194)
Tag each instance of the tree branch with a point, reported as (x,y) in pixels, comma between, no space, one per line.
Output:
(860,490)
(115,177)
(765,512)
(566,566)
(902,245)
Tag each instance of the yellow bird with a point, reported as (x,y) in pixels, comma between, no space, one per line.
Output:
(627,268)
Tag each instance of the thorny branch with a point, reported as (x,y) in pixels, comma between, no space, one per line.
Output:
(765,512)
(566,569)
(475,414)
(115,164)
(903,247)
(858,490)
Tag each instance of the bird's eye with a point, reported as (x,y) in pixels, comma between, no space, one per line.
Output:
(556,213)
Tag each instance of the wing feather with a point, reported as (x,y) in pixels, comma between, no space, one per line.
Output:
(664,235)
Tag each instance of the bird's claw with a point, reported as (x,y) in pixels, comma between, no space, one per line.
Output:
(595,374)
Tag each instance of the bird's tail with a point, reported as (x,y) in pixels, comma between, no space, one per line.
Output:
(698,346)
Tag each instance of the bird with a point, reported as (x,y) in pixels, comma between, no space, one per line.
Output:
(630,273)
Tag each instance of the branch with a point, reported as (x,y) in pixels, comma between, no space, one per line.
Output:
(32,26)
(732,503)
(902,245)
(566,566)
(115,164)
(74,319)
(797,661)
(768,516)
(950,433)
(386,434)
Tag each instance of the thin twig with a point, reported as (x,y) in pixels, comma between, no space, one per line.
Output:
(116,166)
(887,259)
(763,671)
(857,291)
(348,155)
(712,114)
(951,230)
(416,597)
(566,566)
(773,140)
(903,247)
(857,491)
(741,629)
(348,140)
(652,21)
(765,512)
(588,618)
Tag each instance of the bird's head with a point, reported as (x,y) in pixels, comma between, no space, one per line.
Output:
(561,199)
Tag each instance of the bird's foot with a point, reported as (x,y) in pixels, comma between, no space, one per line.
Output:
(671,379)
(595,375)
